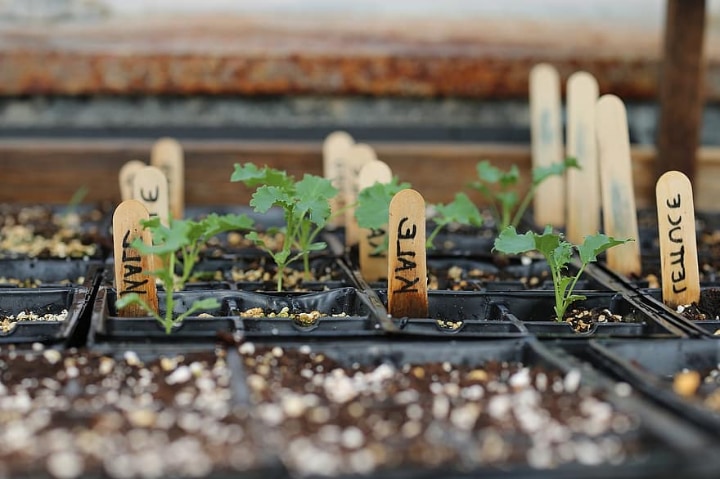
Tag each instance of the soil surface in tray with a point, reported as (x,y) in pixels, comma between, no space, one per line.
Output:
(74,414)
(326,418)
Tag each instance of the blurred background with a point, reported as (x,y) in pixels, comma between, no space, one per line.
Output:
(451,72)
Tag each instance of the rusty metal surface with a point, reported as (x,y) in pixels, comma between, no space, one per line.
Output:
(269,56)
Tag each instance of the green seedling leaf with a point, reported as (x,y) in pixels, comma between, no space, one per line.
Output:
(510,242)
(250,175)
(265,197)
(461,210)
(314,194)
(540,174)
(372,211)
(594,245)
(214,224)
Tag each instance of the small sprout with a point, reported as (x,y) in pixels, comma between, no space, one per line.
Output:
(305,205)
(461,210)
(501,188)
(181,241)
(558,254)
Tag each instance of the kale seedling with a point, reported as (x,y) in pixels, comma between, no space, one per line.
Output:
(558,254)
(500,187)
(460,210)
(372,211)
(305,205)
(181,241)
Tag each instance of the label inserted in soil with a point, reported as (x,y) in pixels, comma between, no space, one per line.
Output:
(678,246)
(335,151)
(359,155)
(131,268)
(373,263)
(150,188)
(407,268)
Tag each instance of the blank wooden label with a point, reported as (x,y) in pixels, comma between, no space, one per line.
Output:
(358,156)
(167,155)
(151,189)
(547,146)
(373,266)
(678,244)
(407,268)
(583,185)
(618,195)
(126,177)
(132,268)
(335,150)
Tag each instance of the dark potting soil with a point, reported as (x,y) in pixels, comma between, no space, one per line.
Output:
(328,418)
(78,414)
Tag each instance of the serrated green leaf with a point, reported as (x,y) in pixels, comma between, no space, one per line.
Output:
(313,194)
(540,174)
(373,206)
(250,175)
(593,245)
(214,224)
(510,242)
(265,197)
(461,210)
(486,171)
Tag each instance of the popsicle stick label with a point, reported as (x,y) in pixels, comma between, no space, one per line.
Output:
(547,146)
(618,195)
(358,156)
(335,150)
(678,243)
(151,189)
(126,176)
(167,155)
(373,264)
(132,268)
(407,268)
(583,184)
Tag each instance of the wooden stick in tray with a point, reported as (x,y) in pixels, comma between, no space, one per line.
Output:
(167,155)
(335,152)
(358,156)
(678,246)
(150,188)
(618,195)
(373,266)
(547,143)
(131,268)
(126,176)
(407,268)
(583,185)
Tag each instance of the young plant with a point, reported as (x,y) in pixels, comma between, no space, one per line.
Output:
(460,210)
(181,241)
(501,189)
(306,209)
(558,254)
(372,210)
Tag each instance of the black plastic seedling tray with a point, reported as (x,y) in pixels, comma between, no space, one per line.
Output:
(650,366)
(519,313)
(106,325)
(48,272)
(43,301)
(344,312)
(359,318)
(661,445)
(707,327)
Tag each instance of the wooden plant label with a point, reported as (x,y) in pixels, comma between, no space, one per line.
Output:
(358,156)
(678,246)
(583,185)
(167,155)
(335,150)
(407,268)
(547,146)
(151,189)
(126,177)
(131,268)
(373,266)
(616,182)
